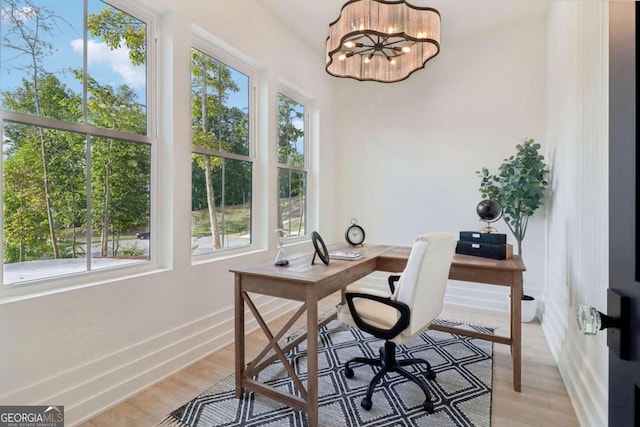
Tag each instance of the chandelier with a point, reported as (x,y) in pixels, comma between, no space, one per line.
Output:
(383,41)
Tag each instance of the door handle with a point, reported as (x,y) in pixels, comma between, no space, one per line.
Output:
(617,323)
(591,320)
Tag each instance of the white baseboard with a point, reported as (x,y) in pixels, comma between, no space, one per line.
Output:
(87,390)
(588,395)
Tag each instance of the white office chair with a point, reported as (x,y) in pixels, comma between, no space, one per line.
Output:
(405,312)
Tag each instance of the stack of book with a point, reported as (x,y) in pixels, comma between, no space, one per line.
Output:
(486,245)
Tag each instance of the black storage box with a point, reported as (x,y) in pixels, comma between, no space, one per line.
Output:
(483,250)
(487,238)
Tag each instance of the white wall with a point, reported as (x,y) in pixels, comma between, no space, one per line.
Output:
(577,211)
(401,158)
(409,151)
(90,347)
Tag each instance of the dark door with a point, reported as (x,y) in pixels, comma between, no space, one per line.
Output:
(624,208)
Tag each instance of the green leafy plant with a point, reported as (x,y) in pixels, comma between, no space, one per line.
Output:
(132,251)
(518,186)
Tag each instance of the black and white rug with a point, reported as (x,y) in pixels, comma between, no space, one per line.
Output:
(461,392)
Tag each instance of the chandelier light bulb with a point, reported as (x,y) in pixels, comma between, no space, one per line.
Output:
(370,31)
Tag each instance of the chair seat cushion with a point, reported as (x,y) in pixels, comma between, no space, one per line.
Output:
(377,314)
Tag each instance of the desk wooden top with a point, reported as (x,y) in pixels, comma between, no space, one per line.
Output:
(301,270)
(467,261)
(384,258)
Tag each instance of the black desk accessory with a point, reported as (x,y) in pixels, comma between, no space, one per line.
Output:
(320,247)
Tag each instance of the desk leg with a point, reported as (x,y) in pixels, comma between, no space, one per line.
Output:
(516,330)
(239,329)
(312,360)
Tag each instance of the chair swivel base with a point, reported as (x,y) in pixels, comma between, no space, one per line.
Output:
(387,362)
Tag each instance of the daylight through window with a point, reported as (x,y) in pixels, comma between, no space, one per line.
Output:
(222,165)
(77,149)
(292,166)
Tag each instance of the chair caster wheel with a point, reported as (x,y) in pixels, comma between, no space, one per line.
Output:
(366,404)
(428,406)
(348,372)
(431,375)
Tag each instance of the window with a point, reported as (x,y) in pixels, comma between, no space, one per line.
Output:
(222,165)
(292,166)
(77,149)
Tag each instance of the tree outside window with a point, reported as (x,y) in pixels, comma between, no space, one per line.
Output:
(292,172)
(76,149)
(221,163)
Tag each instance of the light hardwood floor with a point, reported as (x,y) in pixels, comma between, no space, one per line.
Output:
(542,402)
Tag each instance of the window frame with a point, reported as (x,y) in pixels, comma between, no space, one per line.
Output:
(217,50)
(90,277)
(295,95)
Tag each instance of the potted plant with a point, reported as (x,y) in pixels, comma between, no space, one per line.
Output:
(519,187)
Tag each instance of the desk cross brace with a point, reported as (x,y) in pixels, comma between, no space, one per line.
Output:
(253,368)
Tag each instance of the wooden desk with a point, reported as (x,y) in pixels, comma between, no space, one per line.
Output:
(479,270)
(301,281)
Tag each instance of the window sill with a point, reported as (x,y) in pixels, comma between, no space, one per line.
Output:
(225,254)
(50,286)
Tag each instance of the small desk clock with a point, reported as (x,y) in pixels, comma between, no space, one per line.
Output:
(354,234)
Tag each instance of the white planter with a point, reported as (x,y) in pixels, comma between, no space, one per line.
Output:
(529,308)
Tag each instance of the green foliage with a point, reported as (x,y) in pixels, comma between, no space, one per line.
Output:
(237,220)
(25,219)
(519,187)
(60,102)
(289,112)
(116,27)
(26,27)
(120,185)
(291,183)
(132,251)
(218,183)
(25,208)
(44,169)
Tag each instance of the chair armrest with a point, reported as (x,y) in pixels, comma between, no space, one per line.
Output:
(392,282)
(386,334)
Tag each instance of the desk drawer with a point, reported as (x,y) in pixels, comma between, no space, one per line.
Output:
(486,238)
(482,250)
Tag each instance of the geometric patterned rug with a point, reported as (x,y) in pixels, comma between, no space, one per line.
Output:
(461,392)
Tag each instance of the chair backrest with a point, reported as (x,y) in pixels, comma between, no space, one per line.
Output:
(424,280)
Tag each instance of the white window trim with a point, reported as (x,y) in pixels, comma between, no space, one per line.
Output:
(289,90)
(50,285)
(224,53)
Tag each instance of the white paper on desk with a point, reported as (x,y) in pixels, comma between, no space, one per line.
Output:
(344,255)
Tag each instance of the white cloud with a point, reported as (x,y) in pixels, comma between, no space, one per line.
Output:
(21,14)
(117,60)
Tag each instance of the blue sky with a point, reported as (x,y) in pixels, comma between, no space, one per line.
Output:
(107,66)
